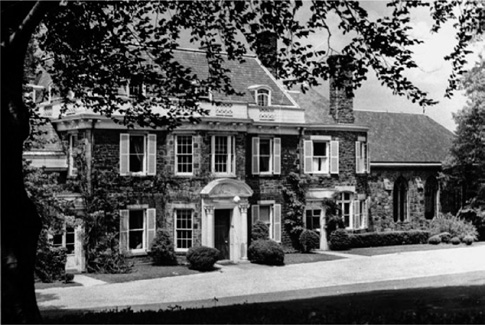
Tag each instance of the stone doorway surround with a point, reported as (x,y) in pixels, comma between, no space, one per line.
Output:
(232,194)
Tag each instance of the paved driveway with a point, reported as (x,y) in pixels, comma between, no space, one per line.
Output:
(258,283)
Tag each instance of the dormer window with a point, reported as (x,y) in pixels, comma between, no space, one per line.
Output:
(262,95)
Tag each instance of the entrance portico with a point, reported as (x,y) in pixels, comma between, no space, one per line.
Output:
(224,217)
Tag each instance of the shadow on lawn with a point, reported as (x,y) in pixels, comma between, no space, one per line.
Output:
(461,304)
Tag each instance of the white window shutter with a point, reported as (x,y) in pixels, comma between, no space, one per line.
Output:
(277,222)
(213,150)
(277,156)
(334,152)
(358,158)
(255,156)
(254,213)
(152,154)
(355,215)
(308,156)
(367,149)
(365,214)
(151,226)
(124,220)
(124,154)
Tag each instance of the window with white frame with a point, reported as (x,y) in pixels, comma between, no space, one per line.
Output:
(321,155)
(184,155)
(73,141)
(270,214)
(223,155)
(266,156)
(344,201)
(65,239)
(312,219)
(263,97)
(362,159)
(183,228)
(137,229)
(138,154)
(353,210)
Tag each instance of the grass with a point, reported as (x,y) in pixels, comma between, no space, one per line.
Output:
(372,251)
(143,272)
(448,305)
(56,284)
(298,258)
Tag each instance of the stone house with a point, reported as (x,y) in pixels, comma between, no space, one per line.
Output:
(228,171)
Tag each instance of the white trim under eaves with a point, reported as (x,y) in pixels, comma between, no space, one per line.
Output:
(405,164)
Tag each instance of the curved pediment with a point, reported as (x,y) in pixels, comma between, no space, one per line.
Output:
(226,187)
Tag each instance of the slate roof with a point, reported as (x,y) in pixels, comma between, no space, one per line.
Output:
(243,75)
(400,137)
(393,137)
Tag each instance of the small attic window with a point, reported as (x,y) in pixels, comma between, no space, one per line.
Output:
(262,95)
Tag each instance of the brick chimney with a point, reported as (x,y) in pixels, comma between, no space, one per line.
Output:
(266,49)
(341,93)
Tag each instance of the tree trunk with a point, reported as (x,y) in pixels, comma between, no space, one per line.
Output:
(21,223)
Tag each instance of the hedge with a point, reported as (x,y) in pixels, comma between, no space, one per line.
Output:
(374,239)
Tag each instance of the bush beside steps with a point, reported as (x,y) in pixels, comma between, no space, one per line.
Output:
(266,252)
(202,258)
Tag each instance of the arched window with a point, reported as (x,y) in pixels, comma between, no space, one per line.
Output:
(430,197)
(400,199)
(262,97)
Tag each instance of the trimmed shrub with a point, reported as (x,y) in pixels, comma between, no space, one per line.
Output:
(259,230)
(376,239)
(455,226)
(50,263)
(202,258)
(266,252)
(468,240)
(339,240)
(309,240)
(455,241)
(162,249)
(434,240)
(445,237)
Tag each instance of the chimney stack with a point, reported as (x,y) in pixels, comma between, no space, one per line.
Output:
(341,92)
(266,50)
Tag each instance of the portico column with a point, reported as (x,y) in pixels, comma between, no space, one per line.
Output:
(323,230)
(243,208)
(209,227)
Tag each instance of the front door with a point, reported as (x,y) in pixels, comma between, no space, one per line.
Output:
(222,222)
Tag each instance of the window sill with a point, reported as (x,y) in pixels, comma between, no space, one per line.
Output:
(137,252)
(183,175)
(224,175)
(181,250)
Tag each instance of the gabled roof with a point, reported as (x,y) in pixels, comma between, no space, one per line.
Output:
(393,137)
(400,137)
(48,141)
(243,75)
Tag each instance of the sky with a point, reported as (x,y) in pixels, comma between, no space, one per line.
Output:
(431,76)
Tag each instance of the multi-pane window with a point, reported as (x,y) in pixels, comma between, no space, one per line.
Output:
(312,219)
(184,154)
(345,203)
(183,228)
(223,154)
(362,162)
(137,229)
(136,232)
(321,155)
(65,239)
(138,154)
(400,198)
(262,97)
(266,156)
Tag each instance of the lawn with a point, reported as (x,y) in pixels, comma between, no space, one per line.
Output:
(298,258)
(144,272)
(372,251)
